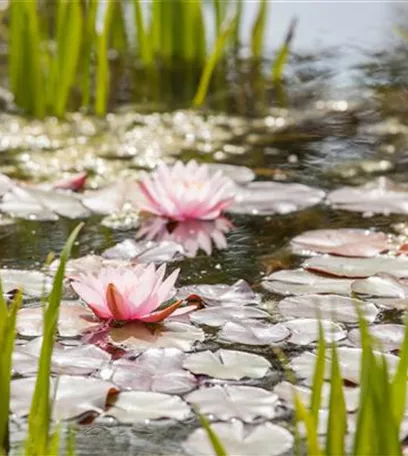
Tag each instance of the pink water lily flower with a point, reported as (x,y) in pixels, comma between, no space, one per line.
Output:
(185,192)
(127,294)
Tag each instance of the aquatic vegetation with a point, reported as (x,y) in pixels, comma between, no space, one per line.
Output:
(185,192)
(55,52)
(128,294)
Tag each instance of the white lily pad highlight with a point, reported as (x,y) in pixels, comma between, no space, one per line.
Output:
(231,401)
(241,440)
(358,267)
(156,369)
(139,337)
(252,332)
(227,364)
(139,406)
(343,242)
(305,331)
(219,316)
(265,198)
(330,307)
(299,282)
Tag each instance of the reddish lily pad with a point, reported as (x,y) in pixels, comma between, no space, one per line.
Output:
(342,242)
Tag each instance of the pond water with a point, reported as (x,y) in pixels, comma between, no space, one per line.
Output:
(341,120)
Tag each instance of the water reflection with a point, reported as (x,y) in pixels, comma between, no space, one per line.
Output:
(193,235)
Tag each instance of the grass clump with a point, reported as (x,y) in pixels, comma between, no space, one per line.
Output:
(40,440)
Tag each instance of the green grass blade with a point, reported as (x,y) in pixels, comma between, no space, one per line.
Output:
(89,12)
(258,30)
(399,382)
(212,61)
(71,442)
(33,54)
(143,39)
(318,377)
(102,69)
(40,411)
(337,423)
(312,438)
(215,441)
(69,45)
(7,338)
(55,440)
(283,53)
(218,14)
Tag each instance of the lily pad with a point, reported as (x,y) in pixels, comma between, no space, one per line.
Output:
(35,204)
(331,307)
(265,198)
(240,293)
(342,242)
(299,282)
(380,196)
(306,331)
(286,390)
(139,337)
(232,401)
(358,267)
(239,174)
(81,360)
(32,283)
(140,406)
(349,360)
(382,285)
(239,440)
(219,316)
(227,364)
(389,337)
(157,370)
(74,396)
(74,319)
(252,332)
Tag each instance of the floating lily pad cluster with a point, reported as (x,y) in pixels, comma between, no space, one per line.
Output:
(206,347)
